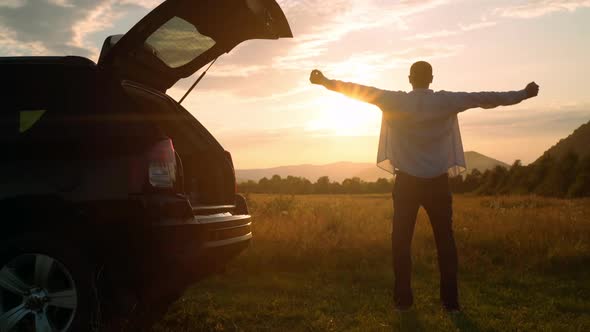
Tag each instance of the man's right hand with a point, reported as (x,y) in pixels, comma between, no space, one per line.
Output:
(317,77)
(532,90)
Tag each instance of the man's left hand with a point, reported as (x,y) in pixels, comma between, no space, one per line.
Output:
(532,90)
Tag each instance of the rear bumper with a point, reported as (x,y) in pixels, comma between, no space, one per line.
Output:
(201,243)
(196,236)
(209,231)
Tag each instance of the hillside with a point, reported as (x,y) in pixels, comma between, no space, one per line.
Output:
(576,142)
(342,170)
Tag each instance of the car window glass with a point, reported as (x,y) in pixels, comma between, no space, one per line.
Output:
(27,119)
(178,42)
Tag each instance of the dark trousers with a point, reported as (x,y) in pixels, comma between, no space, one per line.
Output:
(409,193)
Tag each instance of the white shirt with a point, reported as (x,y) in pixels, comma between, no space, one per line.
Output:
(420,131)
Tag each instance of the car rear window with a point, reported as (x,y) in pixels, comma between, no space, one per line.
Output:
(178,42)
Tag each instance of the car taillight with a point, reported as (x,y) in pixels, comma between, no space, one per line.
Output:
(228,155)
(162,165)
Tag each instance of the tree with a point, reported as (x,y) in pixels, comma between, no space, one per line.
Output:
(472,181)
(538,172)
(581,185)
(352,186)
(322,185)
(559,176)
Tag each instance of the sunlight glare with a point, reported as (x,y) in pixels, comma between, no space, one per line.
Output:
(341,116)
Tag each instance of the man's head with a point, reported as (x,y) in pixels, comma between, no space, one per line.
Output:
(421,75)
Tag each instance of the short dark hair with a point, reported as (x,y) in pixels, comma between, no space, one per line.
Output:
(421,71)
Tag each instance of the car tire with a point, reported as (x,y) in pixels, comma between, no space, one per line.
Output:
(56,284)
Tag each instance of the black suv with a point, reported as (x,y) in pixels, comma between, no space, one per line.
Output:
(113,196)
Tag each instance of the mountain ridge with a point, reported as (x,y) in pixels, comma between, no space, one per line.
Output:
(341,170)
(576,142)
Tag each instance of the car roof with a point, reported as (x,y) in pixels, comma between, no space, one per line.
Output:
(69,61)
(26,77)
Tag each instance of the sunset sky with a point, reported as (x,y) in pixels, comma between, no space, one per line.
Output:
(258,102)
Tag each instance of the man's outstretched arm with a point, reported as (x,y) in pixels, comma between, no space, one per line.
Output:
(466,100)
(361,92)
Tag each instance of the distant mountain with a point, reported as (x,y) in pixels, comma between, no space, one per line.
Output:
(336,171)
(578,142)
(476,160)
(342,170)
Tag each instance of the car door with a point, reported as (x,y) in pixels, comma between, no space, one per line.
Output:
(181,36)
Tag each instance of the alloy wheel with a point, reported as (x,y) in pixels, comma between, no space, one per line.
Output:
(37,293)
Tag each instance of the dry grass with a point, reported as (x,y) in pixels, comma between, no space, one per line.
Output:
(322,263)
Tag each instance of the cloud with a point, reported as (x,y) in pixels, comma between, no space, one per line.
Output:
(56,27)
(62,3)
(477,25)
(73,26)
(525,121)
(12,3)
(358,16)
(448,33)
(533,9)
(367,64)
(9,44)
(233,70)
(276,84)
(142,3)
(304,8)
(97,19)
(46,27)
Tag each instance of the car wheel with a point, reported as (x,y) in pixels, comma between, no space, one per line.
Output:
(45,289)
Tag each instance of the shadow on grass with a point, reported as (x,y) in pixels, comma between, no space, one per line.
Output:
(409,322)
(463,322)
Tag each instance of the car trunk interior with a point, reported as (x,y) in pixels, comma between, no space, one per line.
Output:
(208,173)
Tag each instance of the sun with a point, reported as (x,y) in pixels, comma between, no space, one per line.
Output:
(342,116)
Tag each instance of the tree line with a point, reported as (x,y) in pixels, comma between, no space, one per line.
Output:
(566,177)
(298,185)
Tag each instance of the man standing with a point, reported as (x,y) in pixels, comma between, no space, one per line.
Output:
(421,143)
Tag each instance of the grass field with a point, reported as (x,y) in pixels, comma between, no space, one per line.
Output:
(323,263)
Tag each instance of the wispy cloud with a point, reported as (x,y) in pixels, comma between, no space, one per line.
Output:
(53,27)
(523,120)
(231,70)
(97,19)
(533,9)
(61,3)
(12,3)
(361,15)
(367,64)
(323,8)
(142,3)
(462,28)
(477,25)
(9,44)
